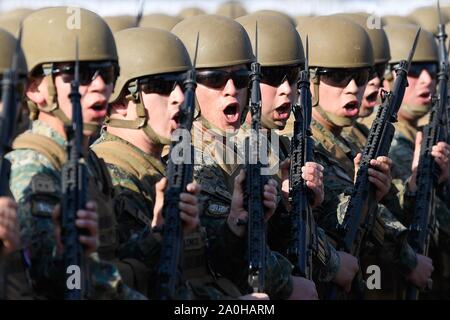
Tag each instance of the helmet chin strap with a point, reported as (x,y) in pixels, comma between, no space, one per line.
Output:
(327,116)
(141,121)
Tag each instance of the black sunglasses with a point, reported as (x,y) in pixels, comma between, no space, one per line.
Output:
(378,70)
(162,84)
(416,68)
(109,71)
(275,76)
(217,79)
(338,77)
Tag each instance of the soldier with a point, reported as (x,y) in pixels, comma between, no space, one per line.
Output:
(280,71)
(39,153)
(395,234)
(339,78)
(144,112)
(223,78)
(405,147)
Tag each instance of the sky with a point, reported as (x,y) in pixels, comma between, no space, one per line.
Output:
(293,7)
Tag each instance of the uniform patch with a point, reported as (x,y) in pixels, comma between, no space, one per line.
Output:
(218,210)
(42,183)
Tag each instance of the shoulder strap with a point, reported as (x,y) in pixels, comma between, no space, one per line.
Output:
(44,145)
(126,157)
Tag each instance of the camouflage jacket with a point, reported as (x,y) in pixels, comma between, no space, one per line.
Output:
(336,154)
(227,252)
(402,153)
(36,186)
(327,262)
(133,203)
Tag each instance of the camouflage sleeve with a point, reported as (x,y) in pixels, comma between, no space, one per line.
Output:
(226,251)
(337,191)
(395,246)
(133,216)
(106,282)
(36,188)
(329,269)
(401,153)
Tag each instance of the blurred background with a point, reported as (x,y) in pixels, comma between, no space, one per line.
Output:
(174,7)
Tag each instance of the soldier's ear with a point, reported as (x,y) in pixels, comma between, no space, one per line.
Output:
(36,91)
(120,107)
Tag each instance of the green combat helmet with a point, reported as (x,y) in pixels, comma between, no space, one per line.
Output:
(378,38)
(233,48)
(276,13)
(7,49)
(190,12)
(144,52)
(159,20)
(302,19)
(223,42)
(428,18)
(395,19)
(231,9)
(58,29)
(10,21)
(274,32)
(348,46)
(117,23)
(8,46)
(400,37)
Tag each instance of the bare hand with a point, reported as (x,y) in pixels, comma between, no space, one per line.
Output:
(303,289)
(347,270)
(188,205)
(379,174)
(440,153)
(9,226)
(86,220)
(237,211)
(420,275)
(312,173)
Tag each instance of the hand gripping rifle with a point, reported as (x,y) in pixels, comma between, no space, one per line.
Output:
(423,224)
(303,235)
(357,225)
(254,184)
(74,192)
(179,176)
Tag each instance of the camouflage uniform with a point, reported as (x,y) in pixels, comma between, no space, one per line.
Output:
(402,153)
(278,227)
(36,186)
(388,235)
(227,251)
(134,206)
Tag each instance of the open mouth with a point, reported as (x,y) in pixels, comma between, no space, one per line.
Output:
(425,95)
(231,112)
(371,98)
(282,112)
(98,107)
(175,121)
(351,108)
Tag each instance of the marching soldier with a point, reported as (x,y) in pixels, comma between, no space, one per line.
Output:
(39,153)
(223,78)
(144,112)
